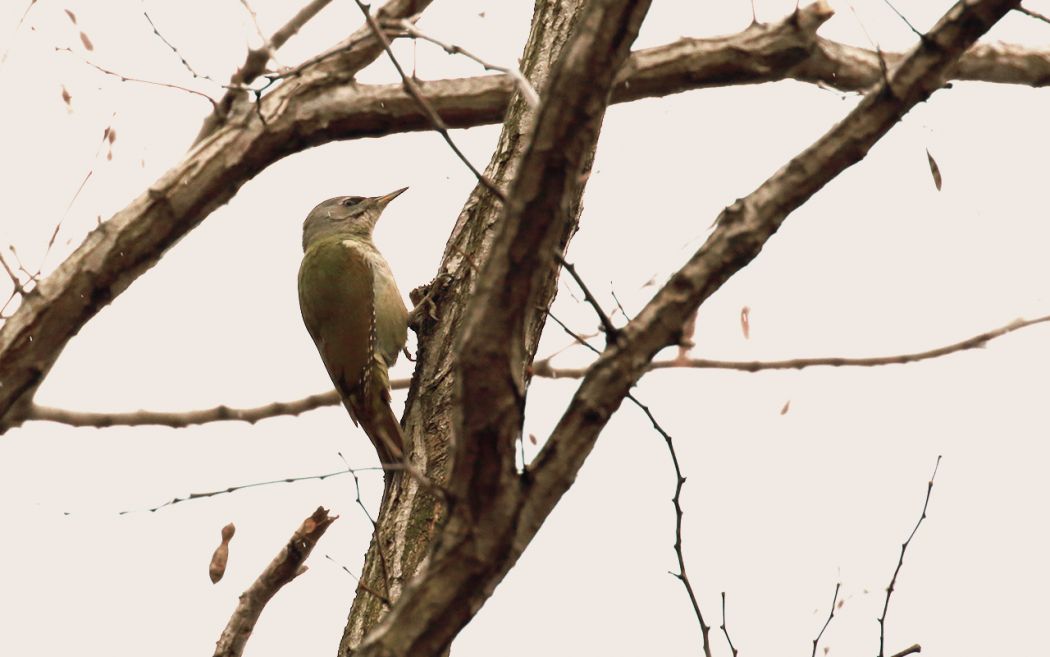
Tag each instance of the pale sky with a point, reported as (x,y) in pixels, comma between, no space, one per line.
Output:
(778,507)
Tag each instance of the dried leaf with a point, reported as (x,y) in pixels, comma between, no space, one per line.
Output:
(935,170)
(66,97)
(786,408)
(111,135)
(745,322)
(217,567)
(86,41)
(72,16)
(841,602)
(532,438)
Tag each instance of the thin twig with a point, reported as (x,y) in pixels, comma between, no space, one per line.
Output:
(416,93)
(361,583)
(18,26)
(900,561)
(375,527)
(234,489)
(255,22)
(834,601)
(17,289)
(528,92)
(541,368)
(611,332)
(723,626)
(1033,14)
(185,63)
(904,18)
(681,575)
(125,78)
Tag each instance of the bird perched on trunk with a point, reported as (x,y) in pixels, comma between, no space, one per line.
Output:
(354,312)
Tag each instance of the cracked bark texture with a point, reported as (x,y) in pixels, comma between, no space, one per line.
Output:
(410,517)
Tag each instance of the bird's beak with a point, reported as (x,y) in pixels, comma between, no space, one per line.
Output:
(383,200)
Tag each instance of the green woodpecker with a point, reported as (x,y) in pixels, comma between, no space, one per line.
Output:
(354,312)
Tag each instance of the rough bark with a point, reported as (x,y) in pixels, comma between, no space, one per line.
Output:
(321,103)
(494,511)
(485,379)
(410,518)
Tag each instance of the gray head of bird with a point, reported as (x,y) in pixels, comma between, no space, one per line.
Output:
(352,217)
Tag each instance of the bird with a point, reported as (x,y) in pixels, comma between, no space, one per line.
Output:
(354,312)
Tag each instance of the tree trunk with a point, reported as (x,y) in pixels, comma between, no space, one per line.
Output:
(410,516)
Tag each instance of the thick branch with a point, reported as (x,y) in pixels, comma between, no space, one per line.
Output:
(286,566)
(472,551)
(322,106)
(742,230)
(355,52)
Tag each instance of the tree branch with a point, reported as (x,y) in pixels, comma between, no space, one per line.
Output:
(541,368)
(741,231)
(473,550)
(322,106)
(286,566)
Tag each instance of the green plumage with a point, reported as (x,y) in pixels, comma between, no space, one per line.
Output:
(354,312)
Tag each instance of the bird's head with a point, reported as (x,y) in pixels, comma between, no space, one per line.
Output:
(345,216)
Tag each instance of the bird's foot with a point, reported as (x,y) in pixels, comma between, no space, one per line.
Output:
(423,298)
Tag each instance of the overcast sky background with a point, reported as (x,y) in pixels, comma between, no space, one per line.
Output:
(779,507)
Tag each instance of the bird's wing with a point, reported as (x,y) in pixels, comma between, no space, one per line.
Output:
(337,299)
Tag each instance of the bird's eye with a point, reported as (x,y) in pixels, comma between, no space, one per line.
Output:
(351,201)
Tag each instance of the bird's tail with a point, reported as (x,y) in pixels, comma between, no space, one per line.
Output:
(380,425)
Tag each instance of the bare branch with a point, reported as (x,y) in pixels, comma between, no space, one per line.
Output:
(171,46)
(180,419)
(682,575)
(125,78)
(233,489)
(286,566)
(1033,14)
(322,108)
(831,614)
(357,51)
(544,369)
(607,326)
(360,582)
(725,630)
(541,368)
(417,94)
(741,231)
(528,93)
(18,26)
(900,562)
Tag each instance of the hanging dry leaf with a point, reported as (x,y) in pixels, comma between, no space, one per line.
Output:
(111,134)
(217,567)
(745,322)
(935,170)
(786,408)
(72,16)
(66,97)
(86,41)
